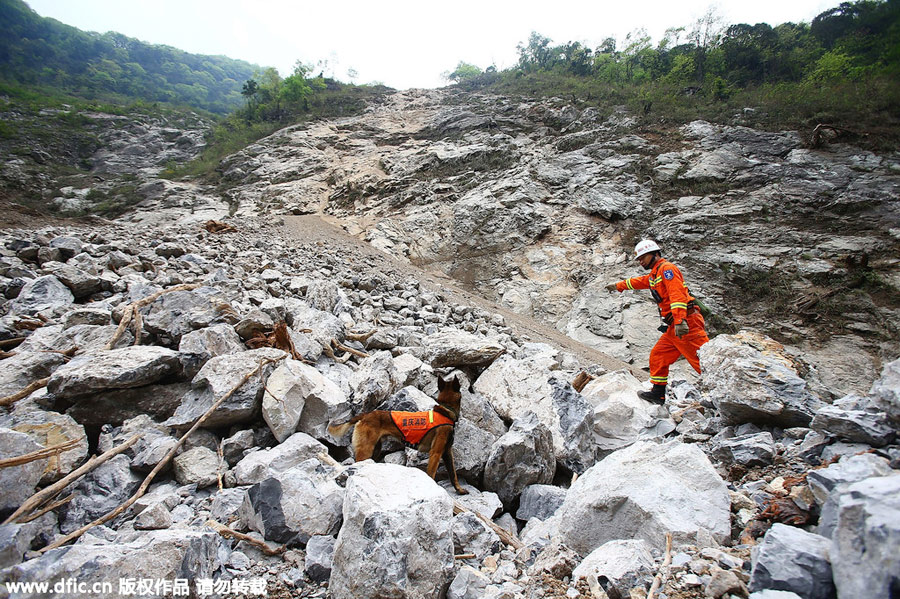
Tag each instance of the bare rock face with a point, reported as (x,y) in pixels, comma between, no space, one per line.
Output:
(396,539)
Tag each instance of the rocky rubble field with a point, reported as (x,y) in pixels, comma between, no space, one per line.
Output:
(205,367)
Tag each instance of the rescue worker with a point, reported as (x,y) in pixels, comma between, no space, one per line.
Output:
(683,329)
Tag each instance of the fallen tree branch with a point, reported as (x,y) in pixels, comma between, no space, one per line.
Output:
(162,463)
(349,350)
(361,337)
(51,491)
(12,342)
(660,577)
(221,456)
(133,307)
(49,508)
(229,533)
(326,349)
(11,399)
(40,454)
(505,536)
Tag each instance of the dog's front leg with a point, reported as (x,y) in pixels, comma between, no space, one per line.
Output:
(451,468)
(438,443)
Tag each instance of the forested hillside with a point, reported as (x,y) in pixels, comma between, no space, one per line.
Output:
(111,67)
(842,68)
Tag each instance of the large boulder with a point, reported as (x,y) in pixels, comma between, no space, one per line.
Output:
(521,457)
(829,484)
(396,540)
(176,314)
(865,552)
(620,416)
(515,386)
(23,368)
(540,501)
(161,555)
(885,391)
(471,449)
(643,492)
(374,380)
(455,348)
(265,463)
(44,295)
(856,419)
(198,465)
(791,559)
(755,449)
(217,378)
(18,482)
(750,378)
(198,347)
(49,429)
(624,564)
(295,390)
(113,369)
(100,492)
(295,505)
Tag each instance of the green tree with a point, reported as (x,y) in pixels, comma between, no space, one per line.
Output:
(536,54)
(464,72)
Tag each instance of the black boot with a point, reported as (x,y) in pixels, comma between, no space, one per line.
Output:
(657,395)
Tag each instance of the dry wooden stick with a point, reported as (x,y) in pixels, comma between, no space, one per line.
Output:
(132,308)
(465,556)
(138,326)
(40,454)
(326,349)
(49,508)
(51,491)
(11,399)
(505,536)
(229,533)
(361,337)
(663,570)
(11,342)
(221,455)
(162,463)
(338,345)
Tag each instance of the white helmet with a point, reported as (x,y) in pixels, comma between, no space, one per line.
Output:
(645,246)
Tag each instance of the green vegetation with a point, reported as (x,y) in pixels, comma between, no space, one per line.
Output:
(48,68)
(841,69)
(52,58)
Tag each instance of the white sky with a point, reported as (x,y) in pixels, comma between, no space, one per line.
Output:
(400,43)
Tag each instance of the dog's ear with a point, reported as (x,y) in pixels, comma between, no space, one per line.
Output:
(455,383)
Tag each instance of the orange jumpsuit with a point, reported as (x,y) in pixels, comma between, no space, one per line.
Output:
(671,295)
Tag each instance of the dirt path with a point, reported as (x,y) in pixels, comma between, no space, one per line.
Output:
(315,229)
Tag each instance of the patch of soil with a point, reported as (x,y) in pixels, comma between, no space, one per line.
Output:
(314,229)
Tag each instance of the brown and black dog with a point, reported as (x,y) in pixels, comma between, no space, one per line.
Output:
(429,432)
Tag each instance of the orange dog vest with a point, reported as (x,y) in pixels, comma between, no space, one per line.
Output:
(415,425)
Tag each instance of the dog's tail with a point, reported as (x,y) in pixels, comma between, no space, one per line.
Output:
(339,430)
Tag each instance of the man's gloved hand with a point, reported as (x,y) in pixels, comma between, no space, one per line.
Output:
(682,328)
(611,287)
